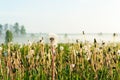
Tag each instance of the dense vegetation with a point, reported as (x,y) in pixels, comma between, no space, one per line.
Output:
(78,61)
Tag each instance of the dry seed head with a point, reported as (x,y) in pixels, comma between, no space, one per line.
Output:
(0,48)
(118,52)
(72,65)
(61,48)
(37,57)
(53,39)
(29,43)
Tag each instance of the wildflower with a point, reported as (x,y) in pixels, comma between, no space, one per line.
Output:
(37,57)
(0,48)
(29,43)
(32,52)
(85,48)
(53,39)
(61,48)
(114,34)
(89,56)
(103,43)
(72,65)
(11,43)
(77,41)
(27,56)
(13,54)
(83,32)
(118,52)
(41,40)
(95,41)
(76,52)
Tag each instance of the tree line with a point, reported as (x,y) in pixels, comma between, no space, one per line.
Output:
(11,30)
(16,29)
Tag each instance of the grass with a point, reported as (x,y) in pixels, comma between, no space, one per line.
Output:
(75,61)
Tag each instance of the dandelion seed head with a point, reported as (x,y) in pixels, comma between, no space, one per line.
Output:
(53,39)
(118,52)
(72,65)
(61,48)
(29,43)
(0,48)
(13,54)
(37,57)
(77,40)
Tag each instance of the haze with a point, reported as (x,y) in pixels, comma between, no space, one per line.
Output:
(62,16)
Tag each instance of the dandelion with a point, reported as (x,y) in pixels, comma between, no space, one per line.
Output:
(61,48)
(114,37)
(41,40)
(29,43)
(13,54)
(0,48)
(77,41)
(95,41)
(88,55)
(53,41)
(103,43)
(84,35)
(11,43)
(72,65)
(83,32)
(114,34)
(32,52)
(27,56)
(85,48)
(37,57)
(118,52)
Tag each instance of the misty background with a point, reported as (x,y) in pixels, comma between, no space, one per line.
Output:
(62,16)
(37,18)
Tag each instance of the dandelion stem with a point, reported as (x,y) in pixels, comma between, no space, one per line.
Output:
(53,67)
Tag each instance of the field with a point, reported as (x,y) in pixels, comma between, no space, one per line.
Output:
(73,61)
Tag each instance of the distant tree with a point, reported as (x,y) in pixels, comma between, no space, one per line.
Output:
(32,34)
(16,28)
(22,30)
(65,35)
(1,29)
(5,27)
(11,28)
(9,36)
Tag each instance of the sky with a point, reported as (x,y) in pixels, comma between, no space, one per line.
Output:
(62,16)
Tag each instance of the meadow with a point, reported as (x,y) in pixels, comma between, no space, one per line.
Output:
(73,61)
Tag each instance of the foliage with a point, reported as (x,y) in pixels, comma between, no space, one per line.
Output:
(71,62)
(16,28)
(9,36)
(23,31)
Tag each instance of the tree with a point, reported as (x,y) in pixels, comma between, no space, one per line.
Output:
(23,31)
(5,28)
(16,28)
(9,36)
(1,29)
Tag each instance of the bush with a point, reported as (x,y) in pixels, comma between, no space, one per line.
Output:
(9,36)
